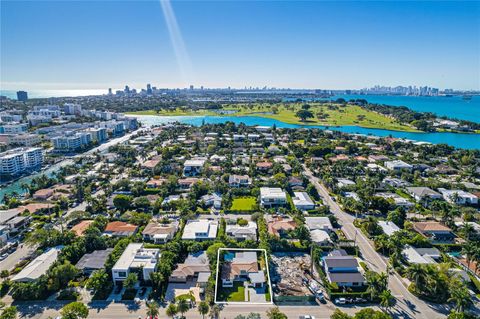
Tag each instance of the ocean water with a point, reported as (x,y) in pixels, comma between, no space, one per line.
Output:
(454,107)
(460,140)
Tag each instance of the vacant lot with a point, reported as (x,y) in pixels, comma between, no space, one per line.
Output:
(244,203)
(236,293)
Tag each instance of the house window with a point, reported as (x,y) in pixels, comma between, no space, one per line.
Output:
(122,274)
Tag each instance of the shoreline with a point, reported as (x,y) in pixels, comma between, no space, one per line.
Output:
(266,116)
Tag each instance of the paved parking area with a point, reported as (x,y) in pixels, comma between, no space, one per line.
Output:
(176,289)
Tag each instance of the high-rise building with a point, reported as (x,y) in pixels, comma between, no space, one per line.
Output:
(127,89)
(191,87)
(20,160)
(110,91)
(22,96)
(149,89)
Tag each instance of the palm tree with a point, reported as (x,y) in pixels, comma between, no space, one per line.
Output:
(171,310)
(459,295)
(203,308)
(183,306)
(469,250)
(215,311)
(386,299)
(417,273)
(152,309)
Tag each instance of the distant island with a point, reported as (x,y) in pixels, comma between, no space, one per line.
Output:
(340,112)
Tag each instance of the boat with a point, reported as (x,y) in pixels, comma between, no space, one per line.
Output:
(467,97)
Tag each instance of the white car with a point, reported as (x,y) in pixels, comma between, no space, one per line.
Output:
(340,301)
(306,317)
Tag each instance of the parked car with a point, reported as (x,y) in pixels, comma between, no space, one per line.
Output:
(306,317)
(320,296)
(3,257)
(340,301)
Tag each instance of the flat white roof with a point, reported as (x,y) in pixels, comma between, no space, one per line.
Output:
(272,192)
(136,256)
(302,198)
(388,227)
(319,236)
(205,226)
(414,256)
(194,162)
(322,223)
(459,192)
(38,266)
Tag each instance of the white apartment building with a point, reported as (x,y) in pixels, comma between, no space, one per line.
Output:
(10,117)
(136,259)
(25,140)
(19,160)
(13,128)
(72,142)
(272,196)
(98,134)
(72,108)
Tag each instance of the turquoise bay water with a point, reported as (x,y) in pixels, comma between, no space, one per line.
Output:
(454,107)
(466,141)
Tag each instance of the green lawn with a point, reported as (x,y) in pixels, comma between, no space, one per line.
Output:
(336,116)
(243,203)
(236,293)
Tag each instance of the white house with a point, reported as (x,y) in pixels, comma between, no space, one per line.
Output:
(420,193)
(247,232)
(397,165)
(320,237)
(388,227)
(136,259)
(414,257)
(201,229)
(343,271)
(239,180)
(302,201)
(344,182)
(458,197)
(38,266)
(322,223)
(193,167)
(214,200)
(272,196)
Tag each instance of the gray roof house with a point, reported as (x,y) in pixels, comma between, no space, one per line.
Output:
(343,271)
(248,232)
(93,261)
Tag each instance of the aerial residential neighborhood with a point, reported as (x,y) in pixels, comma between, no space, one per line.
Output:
(232,159)
(190,221)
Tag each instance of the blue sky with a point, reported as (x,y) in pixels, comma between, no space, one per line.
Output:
(314,44)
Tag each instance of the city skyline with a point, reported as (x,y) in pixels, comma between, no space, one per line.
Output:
(355,45)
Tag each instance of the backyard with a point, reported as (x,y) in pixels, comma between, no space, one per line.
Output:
(236,293)
(243,204)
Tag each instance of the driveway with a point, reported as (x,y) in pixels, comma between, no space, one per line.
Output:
(176,289)
(21,252)
(257,294)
